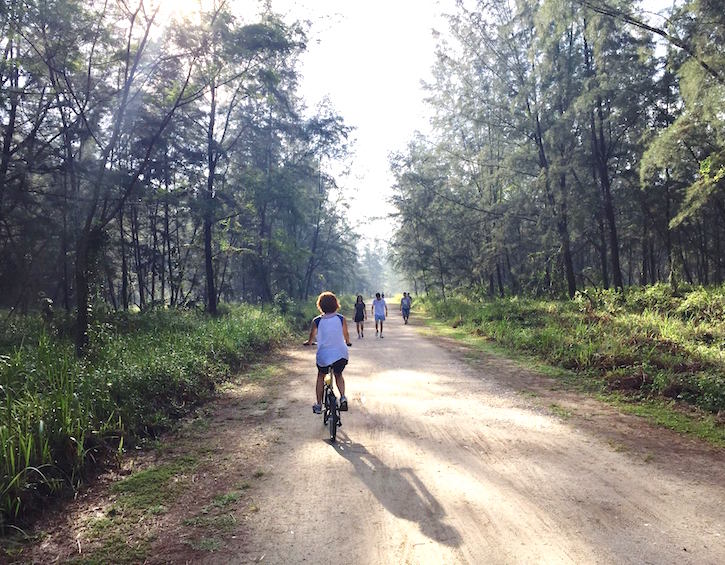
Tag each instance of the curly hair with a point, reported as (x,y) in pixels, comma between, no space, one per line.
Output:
(327,303)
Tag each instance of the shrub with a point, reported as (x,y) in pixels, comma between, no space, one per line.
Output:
(57,413)
(649,341)
(703,305)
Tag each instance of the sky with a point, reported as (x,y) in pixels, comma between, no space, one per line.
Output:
(368,59)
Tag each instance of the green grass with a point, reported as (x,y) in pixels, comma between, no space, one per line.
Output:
(153,487)
(223,500)
(205,544)
(143,371)
(660,350)
(116,536)
(560,411)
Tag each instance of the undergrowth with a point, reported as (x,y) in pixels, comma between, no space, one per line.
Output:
(650,343)
(59,414)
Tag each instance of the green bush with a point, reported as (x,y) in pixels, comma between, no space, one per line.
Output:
(57,413)
(650,342)
(703,305)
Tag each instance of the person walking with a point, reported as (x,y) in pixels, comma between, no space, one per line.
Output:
(405,304)
(361,315)
(380,311)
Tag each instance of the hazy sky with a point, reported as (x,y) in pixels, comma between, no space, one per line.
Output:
(369,58)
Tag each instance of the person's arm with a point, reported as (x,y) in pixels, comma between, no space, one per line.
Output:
(345,333)
(386,309)
(313,334)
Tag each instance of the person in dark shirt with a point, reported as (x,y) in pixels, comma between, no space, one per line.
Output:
(360,316)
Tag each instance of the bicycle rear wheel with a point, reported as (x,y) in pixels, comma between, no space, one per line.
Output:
(333,417)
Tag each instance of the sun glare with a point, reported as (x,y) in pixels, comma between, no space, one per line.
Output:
(177,9)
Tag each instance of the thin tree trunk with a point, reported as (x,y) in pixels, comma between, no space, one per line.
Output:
(601,159)
(602,248)
(499,279)
(167,237)
(211,296)
(124,263)
(154,250)
(82,294)
(140,276)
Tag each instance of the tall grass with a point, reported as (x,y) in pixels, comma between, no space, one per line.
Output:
(648,342)
(59,413)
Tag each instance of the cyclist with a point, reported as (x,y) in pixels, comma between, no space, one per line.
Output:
(330,328)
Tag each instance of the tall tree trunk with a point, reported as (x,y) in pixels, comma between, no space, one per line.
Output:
(499,278)
(602,249)
(606,188)
(154,250)
(140,275)
(124,262)
(167,237)
(82,293)
(563,229)
(211,296)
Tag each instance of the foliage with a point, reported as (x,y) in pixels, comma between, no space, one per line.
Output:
(648,343)
(58,413)
(147,163)
(565,153)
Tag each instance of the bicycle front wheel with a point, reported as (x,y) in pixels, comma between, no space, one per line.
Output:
(333,418)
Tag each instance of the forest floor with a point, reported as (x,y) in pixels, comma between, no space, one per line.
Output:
(447,455)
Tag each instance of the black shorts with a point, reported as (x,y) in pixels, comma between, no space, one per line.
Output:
(337,367)
(359,318)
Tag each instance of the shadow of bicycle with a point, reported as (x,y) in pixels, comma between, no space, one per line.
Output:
(400,491)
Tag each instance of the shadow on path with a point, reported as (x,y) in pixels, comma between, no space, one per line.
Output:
(400,491)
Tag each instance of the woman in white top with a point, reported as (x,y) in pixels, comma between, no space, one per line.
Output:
(330,328)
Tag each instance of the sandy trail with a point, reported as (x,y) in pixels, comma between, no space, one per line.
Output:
(439,462)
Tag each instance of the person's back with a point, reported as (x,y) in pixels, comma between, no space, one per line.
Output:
(330,339)
(330,330)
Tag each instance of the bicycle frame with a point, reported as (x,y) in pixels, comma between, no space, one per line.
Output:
(331,410)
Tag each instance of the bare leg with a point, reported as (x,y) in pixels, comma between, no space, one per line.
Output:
(340,380)
(320,385)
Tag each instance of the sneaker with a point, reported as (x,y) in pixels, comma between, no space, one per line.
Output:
(317,409)
(343,404)
(381,336)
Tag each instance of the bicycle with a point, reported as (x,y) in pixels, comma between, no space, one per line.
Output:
(330,406)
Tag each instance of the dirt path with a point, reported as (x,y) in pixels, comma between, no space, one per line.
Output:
(441,462)
(444,457)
